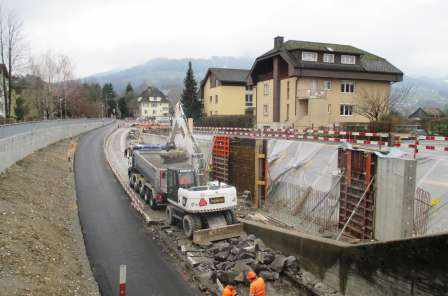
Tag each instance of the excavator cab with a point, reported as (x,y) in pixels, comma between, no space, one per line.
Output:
(179,179)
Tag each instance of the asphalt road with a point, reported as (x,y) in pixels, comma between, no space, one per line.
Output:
(113,232)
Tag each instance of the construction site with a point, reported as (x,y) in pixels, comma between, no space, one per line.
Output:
(323,212)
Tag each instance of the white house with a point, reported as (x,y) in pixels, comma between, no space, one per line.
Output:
(153,104)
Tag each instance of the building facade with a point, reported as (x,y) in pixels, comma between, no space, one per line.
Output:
(225,92)
(153,104)
(304,84)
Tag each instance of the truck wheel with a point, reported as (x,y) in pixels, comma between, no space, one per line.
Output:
(136,186)
(142,191)
(170,215)
(230,217)
(191,224)
(131,181)
(152,202)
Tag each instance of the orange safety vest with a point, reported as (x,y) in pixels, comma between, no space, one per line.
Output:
(228,291)
(257,287)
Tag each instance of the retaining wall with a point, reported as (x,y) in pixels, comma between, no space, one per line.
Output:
(22,140)
(415,266)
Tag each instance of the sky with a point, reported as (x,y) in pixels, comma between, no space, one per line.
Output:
(104,35)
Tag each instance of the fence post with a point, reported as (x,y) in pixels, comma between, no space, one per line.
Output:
(122,287)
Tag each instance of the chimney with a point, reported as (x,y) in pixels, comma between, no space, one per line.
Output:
(278,42)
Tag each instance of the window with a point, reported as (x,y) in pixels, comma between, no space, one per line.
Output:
(348,59)
(287,90)
(309,56)
(346,110)
(249,87)
(327,85)
(347,86)
(211,99)
(216,99)
(249,100)
(154,105)
(265,110)
(328,58)
(266,89)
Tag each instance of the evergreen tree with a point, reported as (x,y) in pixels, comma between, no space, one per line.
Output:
(123,107)
(20,109)
(129,94)
(109,99)
(190,100)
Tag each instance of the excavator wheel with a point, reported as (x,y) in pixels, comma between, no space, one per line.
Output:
(170,215)
(191,224)
(230,217)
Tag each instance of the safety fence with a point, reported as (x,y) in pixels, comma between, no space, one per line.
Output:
(17,146)
(422,206)
(420,143)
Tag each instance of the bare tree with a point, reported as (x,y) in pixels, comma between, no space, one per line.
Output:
(12,52)
(376,104)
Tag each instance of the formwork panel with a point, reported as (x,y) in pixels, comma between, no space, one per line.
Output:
(358,169)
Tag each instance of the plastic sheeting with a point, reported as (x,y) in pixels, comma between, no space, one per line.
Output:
(432,176)
(303,184)
(302,163)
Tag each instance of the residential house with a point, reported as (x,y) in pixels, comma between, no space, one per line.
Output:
(153,104)
(311,84)
(426,113)
(3,74)
(224,92)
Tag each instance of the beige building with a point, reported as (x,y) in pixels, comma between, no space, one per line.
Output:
(309,84)
(153,104)
(224,92)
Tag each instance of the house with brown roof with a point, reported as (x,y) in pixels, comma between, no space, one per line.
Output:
(224,92)
(426,113)
(304,84)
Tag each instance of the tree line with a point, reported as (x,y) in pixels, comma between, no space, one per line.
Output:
(45,87)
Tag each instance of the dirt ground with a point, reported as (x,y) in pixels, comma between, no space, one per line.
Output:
(41,244)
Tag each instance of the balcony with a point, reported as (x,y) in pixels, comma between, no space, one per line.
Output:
(306,94)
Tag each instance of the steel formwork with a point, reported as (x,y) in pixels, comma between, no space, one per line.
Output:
(359,168)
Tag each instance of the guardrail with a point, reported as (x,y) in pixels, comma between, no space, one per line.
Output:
(8,130)
(23,143)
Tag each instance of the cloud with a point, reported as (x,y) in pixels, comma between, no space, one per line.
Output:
(101,35)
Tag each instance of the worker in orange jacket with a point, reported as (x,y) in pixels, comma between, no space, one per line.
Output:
(257,286)
(228,291)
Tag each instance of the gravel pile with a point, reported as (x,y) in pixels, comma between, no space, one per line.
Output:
(41,244)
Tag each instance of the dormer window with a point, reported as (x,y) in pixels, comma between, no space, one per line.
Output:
(309,56)
(328,58)
(348,59)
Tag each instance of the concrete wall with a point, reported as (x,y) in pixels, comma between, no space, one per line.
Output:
(394,198)
(29,138)
(414,266)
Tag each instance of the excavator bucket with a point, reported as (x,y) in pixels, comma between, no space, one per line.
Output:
(205,236)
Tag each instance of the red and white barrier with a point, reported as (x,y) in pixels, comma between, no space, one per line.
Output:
(292,134)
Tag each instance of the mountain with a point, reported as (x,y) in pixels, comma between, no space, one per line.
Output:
(426,92)
(168,75)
